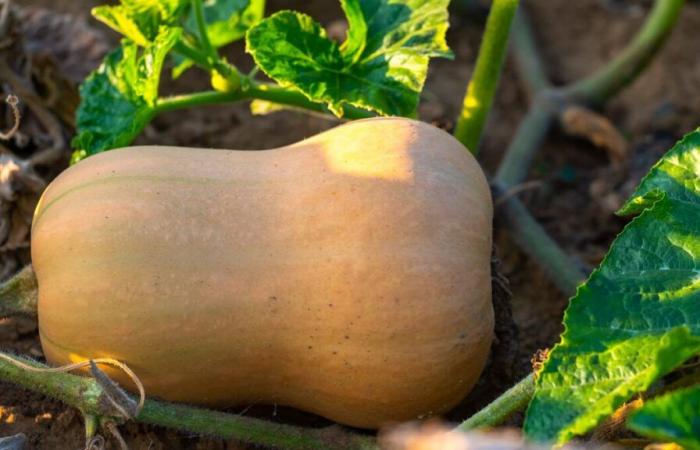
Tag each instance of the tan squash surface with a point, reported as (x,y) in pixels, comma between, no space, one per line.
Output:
(347,274)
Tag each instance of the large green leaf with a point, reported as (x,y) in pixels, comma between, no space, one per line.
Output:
(381,66)
(117,99)
(638,315)
(673,417)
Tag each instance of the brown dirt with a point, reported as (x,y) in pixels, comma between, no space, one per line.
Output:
(577,193)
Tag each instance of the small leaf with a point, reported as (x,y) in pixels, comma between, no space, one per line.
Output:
(180,65)
(117,99)
(140,20)
(673,417)
(381,66)
(228,20)
(119,19)
(638,315)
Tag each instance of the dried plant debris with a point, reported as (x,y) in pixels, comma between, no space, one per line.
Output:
(43,56)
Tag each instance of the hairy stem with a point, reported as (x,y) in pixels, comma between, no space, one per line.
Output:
(79,392)
(19,294)
(250,430)
(495,413)
(608,81)
(260,91)
(87,395)
(482,87)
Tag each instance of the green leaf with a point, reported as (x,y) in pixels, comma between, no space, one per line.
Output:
(228,20)
(638,315)
(381,66)
(140,20)
(673,417)
(181,65)
(117,100)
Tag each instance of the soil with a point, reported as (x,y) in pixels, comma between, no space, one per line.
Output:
(576,192)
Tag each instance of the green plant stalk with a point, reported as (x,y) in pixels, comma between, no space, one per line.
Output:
(482,87)
(205,98)
(515,166)
(597,88)
(498,411)
(19,294)
(210,60)
(593,90)
(249,430)
(527,57)
(522,149)
(88,396)
(209,49)
(529,235)
(260,91)
(192,53)
(91,427)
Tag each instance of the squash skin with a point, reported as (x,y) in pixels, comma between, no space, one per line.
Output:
(346,275)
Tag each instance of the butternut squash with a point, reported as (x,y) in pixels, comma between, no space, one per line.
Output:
(347,275)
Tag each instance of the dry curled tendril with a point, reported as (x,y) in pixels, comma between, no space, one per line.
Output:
(124,406)
(12,101)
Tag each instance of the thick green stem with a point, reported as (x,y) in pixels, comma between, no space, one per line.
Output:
(295,99)
(88,396)
(528,234)
(536,242)
(79,392)
(549,102)
(527,57)
(19,294)
(482,87)
(91,426)
(595,89)
(261,91)
(604,84)
(495,413)
(523,147)
(253,431)
(205,98)
(198,10)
